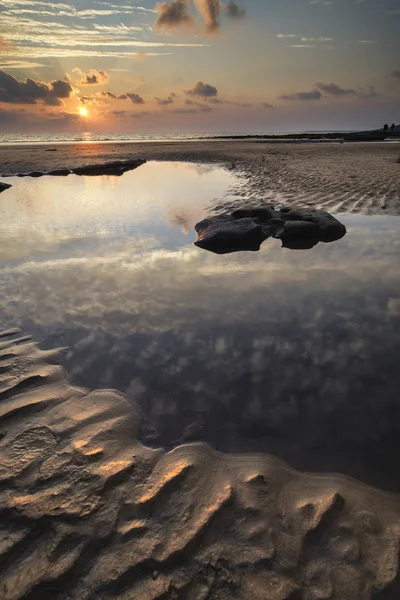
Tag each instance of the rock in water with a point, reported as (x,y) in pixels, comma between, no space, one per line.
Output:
(223,235)
(115,167)
(330,229)
(298,229)
(4,186)
(59,172)
(263,214)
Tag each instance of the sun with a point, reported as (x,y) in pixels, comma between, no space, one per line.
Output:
(83,111)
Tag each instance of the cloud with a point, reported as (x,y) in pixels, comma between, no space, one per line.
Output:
(135,98)
(173,14)
(92,78)
(210,11)
(267,105)
(21,64)
(177,13)
(5,45)
(166,101)
(204,90)
(313,95)
(396,74)
(107,94)
(234,11)
(190,111)
(118,113)
(30,91)
(140,115)
(10,120)
(332,89)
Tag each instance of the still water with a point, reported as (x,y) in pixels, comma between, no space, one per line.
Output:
(294,353)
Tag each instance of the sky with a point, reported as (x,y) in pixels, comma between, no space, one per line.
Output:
(263,66)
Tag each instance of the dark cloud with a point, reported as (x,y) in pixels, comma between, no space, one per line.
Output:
(330,89)
(118,113)
(267,105)
(113,96)
(313,95)
(92,78)
(177,13)
(92,99)
(135,98)
(234,11)
(173,14)
(30,91)
(166,101)
(204,90)
(396,74)
(334,90)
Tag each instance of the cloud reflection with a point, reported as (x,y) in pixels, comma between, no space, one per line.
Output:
(293,354)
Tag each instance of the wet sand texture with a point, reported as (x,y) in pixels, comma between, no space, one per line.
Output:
(350,177)
(89,512)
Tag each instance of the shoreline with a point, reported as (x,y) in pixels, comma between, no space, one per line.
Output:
(338,177)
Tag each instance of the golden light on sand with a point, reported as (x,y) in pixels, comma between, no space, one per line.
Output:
(83,111)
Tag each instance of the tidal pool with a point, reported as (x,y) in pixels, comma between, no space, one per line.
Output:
(293,353)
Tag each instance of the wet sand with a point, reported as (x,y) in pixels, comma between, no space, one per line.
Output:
(89,512)
(339,177)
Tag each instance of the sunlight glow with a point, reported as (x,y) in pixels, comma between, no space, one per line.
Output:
(83,111)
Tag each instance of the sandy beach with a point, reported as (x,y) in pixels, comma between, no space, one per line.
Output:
(89,512)
(347,177)
(254,369)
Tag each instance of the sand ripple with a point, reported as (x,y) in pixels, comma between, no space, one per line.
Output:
(89,512)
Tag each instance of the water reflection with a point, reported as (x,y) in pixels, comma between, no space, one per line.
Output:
(295,354)
(40,215)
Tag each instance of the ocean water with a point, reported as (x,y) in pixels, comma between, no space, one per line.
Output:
(293,353)
(54,138)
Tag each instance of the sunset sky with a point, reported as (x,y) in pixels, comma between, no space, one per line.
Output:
(198,66)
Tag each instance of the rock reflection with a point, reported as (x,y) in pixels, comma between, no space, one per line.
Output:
(296,355)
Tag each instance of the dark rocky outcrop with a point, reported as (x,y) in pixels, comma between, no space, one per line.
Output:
(4,186)
(223,234)
(263,214)
(59,172)
(115,167)
(246,229)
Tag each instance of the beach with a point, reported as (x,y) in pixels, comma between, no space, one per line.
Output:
(177,424)
(338,177)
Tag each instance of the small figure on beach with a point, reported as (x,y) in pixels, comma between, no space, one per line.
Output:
(392,127)
(385,127)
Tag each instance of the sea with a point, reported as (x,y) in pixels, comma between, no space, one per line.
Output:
(89,137)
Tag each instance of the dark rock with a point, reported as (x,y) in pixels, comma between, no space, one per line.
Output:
(211,221)
(246,229)
(35,174)
(224,235)
(264,214)
(51,150)
(59,172)
(116,167)
(300,230)
(330,229)
(4,186)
